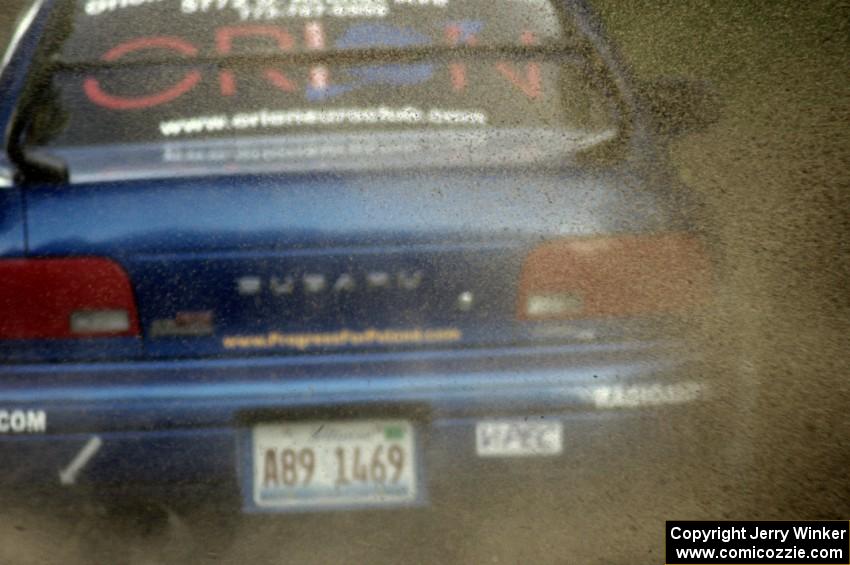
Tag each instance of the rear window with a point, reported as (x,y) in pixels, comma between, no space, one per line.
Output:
(140,71)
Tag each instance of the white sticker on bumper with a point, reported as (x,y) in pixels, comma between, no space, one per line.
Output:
(519,438)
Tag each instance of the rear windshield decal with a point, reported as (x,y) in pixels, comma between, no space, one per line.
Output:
(152,73)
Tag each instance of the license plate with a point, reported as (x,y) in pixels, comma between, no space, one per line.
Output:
(301,465)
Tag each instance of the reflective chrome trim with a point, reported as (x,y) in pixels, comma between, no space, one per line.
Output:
(7,177)
(23,26)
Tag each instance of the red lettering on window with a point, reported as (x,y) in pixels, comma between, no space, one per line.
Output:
(457,71)
(458,74)
(455,36)
(227,82)
(224,37)
(96,94)
(279,79)
(530,83)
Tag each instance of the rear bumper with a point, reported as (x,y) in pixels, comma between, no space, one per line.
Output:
(178,425)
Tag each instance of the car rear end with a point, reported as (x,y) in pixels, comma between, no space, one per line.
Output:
(339,260)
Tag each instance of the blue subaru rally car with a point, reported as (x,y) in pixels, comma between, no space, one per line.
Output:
(324,255)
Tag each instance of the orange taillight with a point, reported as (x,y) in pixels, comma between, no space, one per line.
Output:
(613,276)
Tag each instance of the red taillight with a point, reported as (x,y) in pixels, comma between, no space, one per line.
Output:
(61,298)
(613,276)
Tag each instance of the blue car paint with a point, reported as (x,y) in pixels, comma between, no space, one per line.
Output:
(12,231)
(179,421)
(12,82)
(295,211)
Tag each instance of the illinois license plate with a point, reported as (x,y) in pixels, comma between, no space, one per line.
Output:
(302,465)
